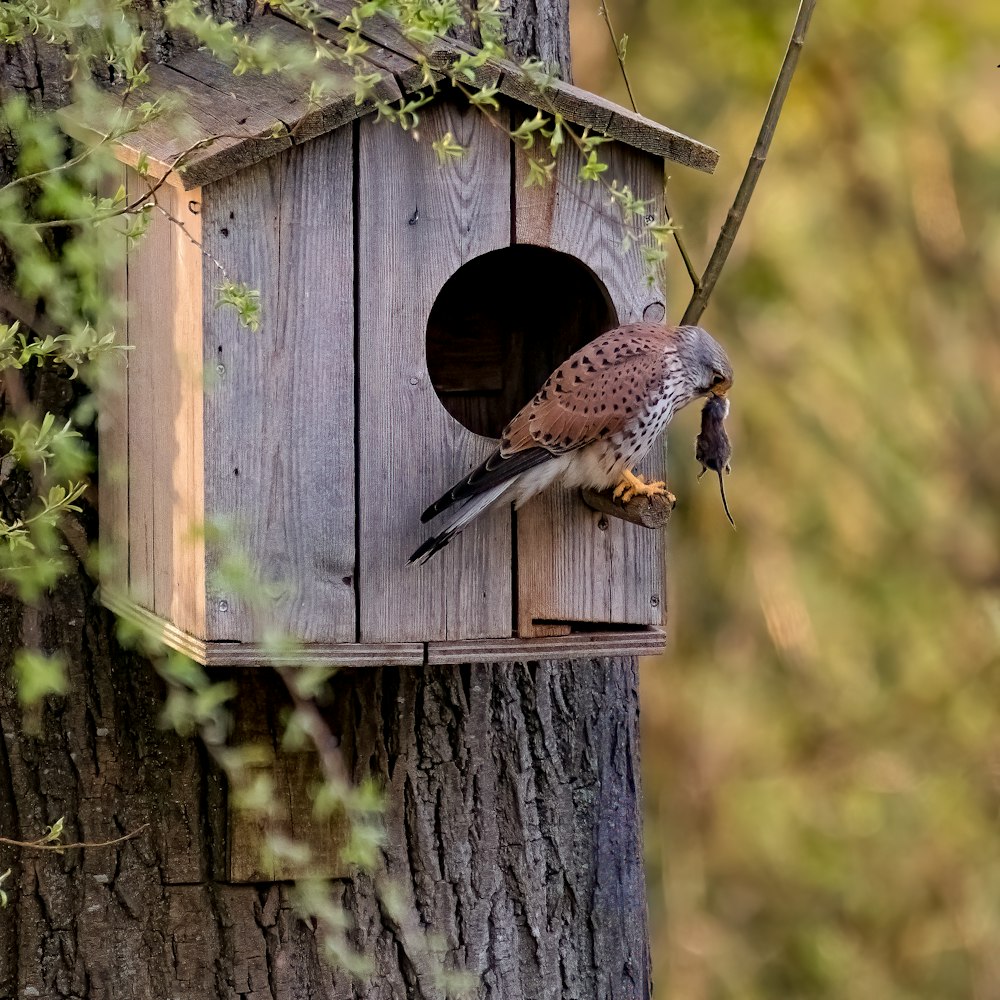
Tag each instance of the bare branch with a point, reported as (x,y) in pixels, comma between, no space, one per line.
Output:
(606,14)
(43,843)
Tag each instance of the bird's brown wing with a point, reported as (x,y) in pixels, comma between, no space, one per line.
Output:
(591,395)
(594,394)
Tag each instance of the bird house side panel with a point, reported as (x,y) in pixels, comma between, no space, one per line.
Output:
(279,413)
(166,489)
(112,428)
(418,223)
(573,564)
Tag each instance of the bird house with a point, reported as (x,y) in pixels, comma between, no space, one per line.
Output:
(409,309)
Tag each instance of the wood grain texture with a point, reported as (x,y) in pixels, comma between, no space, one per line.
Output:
(154,336)
(112,425)
(579,645)
(284,99)
(182,397)
(149,310)
(294,775)
(408,74)
(279,452)
(257,654)
(417,224)
(571,566)
(241,133)
(166,554)
(386,32)
(600,115)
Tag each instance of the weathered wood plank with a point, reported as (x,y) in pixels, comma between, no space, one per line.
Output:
(279,97)
(241,133)
(164,507)
(255,654)
(418,223)
(150,267)
(574,564)
(409,76)
(294,775)
(279,459)
(386,32)
(112,423)
(184,398)
(576,646)
(600,115)
(159,295)
(324,654)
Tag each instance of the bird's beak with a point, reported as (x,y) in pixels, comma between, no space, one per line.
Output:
(721,389)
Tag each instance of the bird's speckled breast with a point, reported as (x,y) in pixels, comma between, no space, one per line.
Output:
(605,460)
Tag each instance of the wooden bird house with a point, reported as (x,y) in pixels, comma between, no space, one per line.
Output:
(409,310)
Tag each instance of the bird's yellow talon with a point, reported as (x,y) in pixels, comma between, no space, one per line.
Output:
(633,485)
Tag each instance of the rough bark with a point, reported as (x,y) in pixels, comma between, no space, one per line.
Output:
(512,827)
(513,807)
(540,28)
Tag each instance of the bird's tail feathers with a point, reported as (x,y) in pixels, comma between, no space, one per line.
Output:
(465,516)
(495,470)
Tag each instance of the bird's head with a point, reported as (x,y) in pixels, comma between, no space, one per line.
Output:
(705,362)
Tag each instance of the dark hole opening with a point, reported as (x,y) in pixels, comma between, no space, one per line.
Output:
(502,323)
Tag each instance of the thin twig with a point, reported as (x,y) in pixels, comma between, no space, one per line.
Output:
(41,845)
(606,14)
(727,235)
(676,233)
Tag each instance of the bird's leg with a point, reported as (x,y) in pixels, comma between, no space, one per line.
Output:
(632,485)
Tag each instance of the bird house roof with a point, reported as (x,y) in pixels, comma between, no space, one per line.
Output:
(235,117)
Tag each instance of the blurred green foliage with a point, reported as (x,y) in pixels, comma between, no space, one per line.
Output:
(822,740)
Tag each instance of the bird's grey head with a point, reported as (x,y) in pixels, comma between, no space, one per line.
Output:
(705,362)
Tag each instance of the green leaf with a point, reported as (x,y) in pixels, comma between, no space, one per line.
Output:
(447,148)
(38,675)
(485,98)
(592,169)
(525,132)
(539,174)
(242,298)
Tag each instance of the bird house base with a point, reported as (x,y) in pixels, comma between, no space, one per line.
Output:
(581,640)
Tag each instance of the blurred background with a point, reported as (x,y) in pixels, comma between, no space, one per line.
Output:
(822,738)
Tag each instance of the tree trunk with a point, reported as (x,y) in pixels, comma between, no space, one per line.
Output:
(513,819)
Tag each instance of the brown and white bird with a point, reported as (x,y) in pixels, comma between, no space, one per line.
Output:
(592,420)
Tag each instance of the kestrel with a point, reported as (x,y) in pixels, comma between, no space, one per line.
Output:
(596,415)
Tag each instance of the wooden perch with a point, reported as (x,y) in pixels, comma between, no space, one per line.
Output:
(650,512)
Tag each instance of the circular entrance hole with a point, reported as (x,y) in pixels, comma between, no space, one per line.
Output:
(502,323)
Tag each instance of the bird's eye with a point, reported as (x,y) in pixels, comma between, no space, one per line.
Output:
(719,379)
